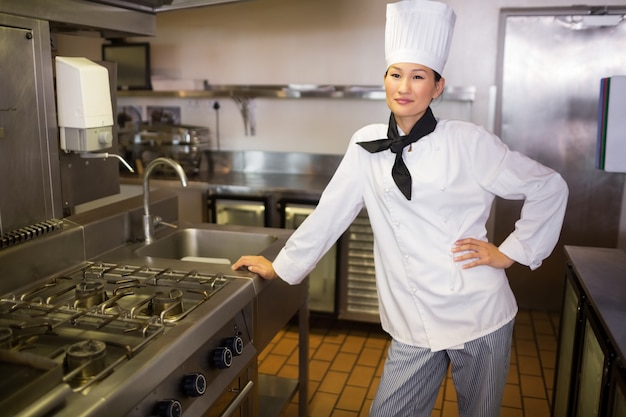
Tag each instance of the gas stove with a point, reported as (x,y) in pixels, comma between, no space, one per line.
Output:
(120,339)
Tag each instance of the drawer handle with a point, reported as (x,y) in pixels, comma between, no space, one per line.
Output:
(239,398)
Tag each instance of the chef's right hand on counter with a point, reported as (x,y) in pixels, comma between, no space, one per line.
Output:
(256,264)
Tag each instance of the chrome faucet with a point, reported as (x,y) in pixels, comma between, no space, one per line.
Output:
(149,221)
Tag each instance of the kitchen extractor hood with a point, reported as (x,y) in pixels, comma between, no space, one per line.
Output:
(156,6)
(82,17)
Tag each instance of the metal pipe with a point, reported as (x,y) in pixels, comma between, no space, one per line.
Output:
(106,155)
(149,222)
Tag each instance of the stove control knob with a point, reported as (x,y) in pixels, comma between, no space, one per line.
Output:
(235,344)
(222,357)
(169,408)
(194,385)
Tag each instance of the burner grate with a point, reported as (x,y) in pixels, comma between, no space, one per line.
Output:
(99,294)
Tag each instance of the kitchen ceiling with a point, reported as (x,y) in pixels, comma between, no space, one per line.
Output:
(184,4)
(161,5)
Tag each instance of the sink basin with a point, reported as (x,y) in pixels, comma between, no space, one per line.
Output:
(208,245)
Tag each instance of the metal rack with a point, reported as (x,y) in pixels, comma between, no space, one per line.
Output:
(358,298)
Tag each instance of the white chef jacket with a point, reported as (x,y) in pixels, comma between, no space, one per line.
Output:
(425,298)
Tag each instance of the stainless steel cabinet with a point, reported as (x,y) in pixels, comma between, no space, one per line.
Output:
(572,304)
(619,394)
(589,379)
(594,368)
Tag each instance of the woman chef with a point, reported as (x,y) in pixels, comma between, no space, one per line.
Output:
(428,186)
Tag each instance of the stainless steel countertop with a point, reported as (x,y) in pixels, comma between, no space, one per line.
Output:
(600,272)
(244,183)
(283,174)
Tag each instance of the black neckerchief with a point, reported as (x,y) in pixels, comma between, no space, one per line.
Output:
(396,143)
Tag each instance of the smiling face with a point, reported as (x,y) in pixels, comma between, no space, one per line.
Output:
(409,89)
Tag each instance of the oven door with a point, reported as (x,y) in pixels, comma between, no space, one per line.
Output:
(239,210)
(239,399)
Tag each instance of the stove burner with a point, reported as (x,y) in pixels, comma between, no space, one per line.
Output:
(6,338)
(86,359)
(107,329)
(89,294)
(168,303)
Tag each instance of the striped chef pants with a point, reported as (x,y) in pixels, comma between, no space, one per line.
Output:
(412,377)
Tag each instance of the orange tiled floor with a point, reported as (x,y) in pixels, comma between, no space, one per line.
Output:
(346,361)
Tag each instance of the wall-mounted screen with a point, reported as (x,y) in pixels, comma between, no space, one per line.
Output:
(133,64)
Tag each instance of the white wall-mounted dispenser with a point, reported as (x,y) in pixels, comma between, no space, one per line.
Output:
(85,113)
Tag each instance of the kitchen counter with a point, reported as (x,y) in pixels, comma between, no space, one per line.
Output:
(293,185)
(259,171)
(109,237)
(601,273)
(590,377)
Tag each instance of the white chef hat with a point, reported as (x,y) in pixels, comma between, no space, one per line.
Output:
(419,32)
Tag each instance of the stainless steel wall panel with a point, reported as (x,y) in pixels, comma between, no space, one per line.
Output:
(548,109)
(30,189)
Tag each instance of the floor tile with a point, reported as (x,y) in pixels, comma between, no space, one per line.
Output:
(352,398)
(450,409)
(547,342)
(512,396)
(373,387)
(365,411)
(335,336)
(334,382)
(536,408)
(272,364)
(526,347)
(523,331)
(322,404)
(511,412)
(326,352)
(513,377)
(548,359)
(353,344)
(344,413)
(346,361)
(361,376)
(543,326)
(317,369)
(285,346)
(289,372)
(529,365)
(370,356)
(532,386)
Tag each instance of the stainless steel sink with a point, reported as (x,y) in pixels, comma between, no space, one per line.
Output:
(208,245)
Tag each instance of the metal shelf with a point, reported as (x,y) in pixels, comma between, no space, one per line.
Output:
(293,91)
(244,94)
